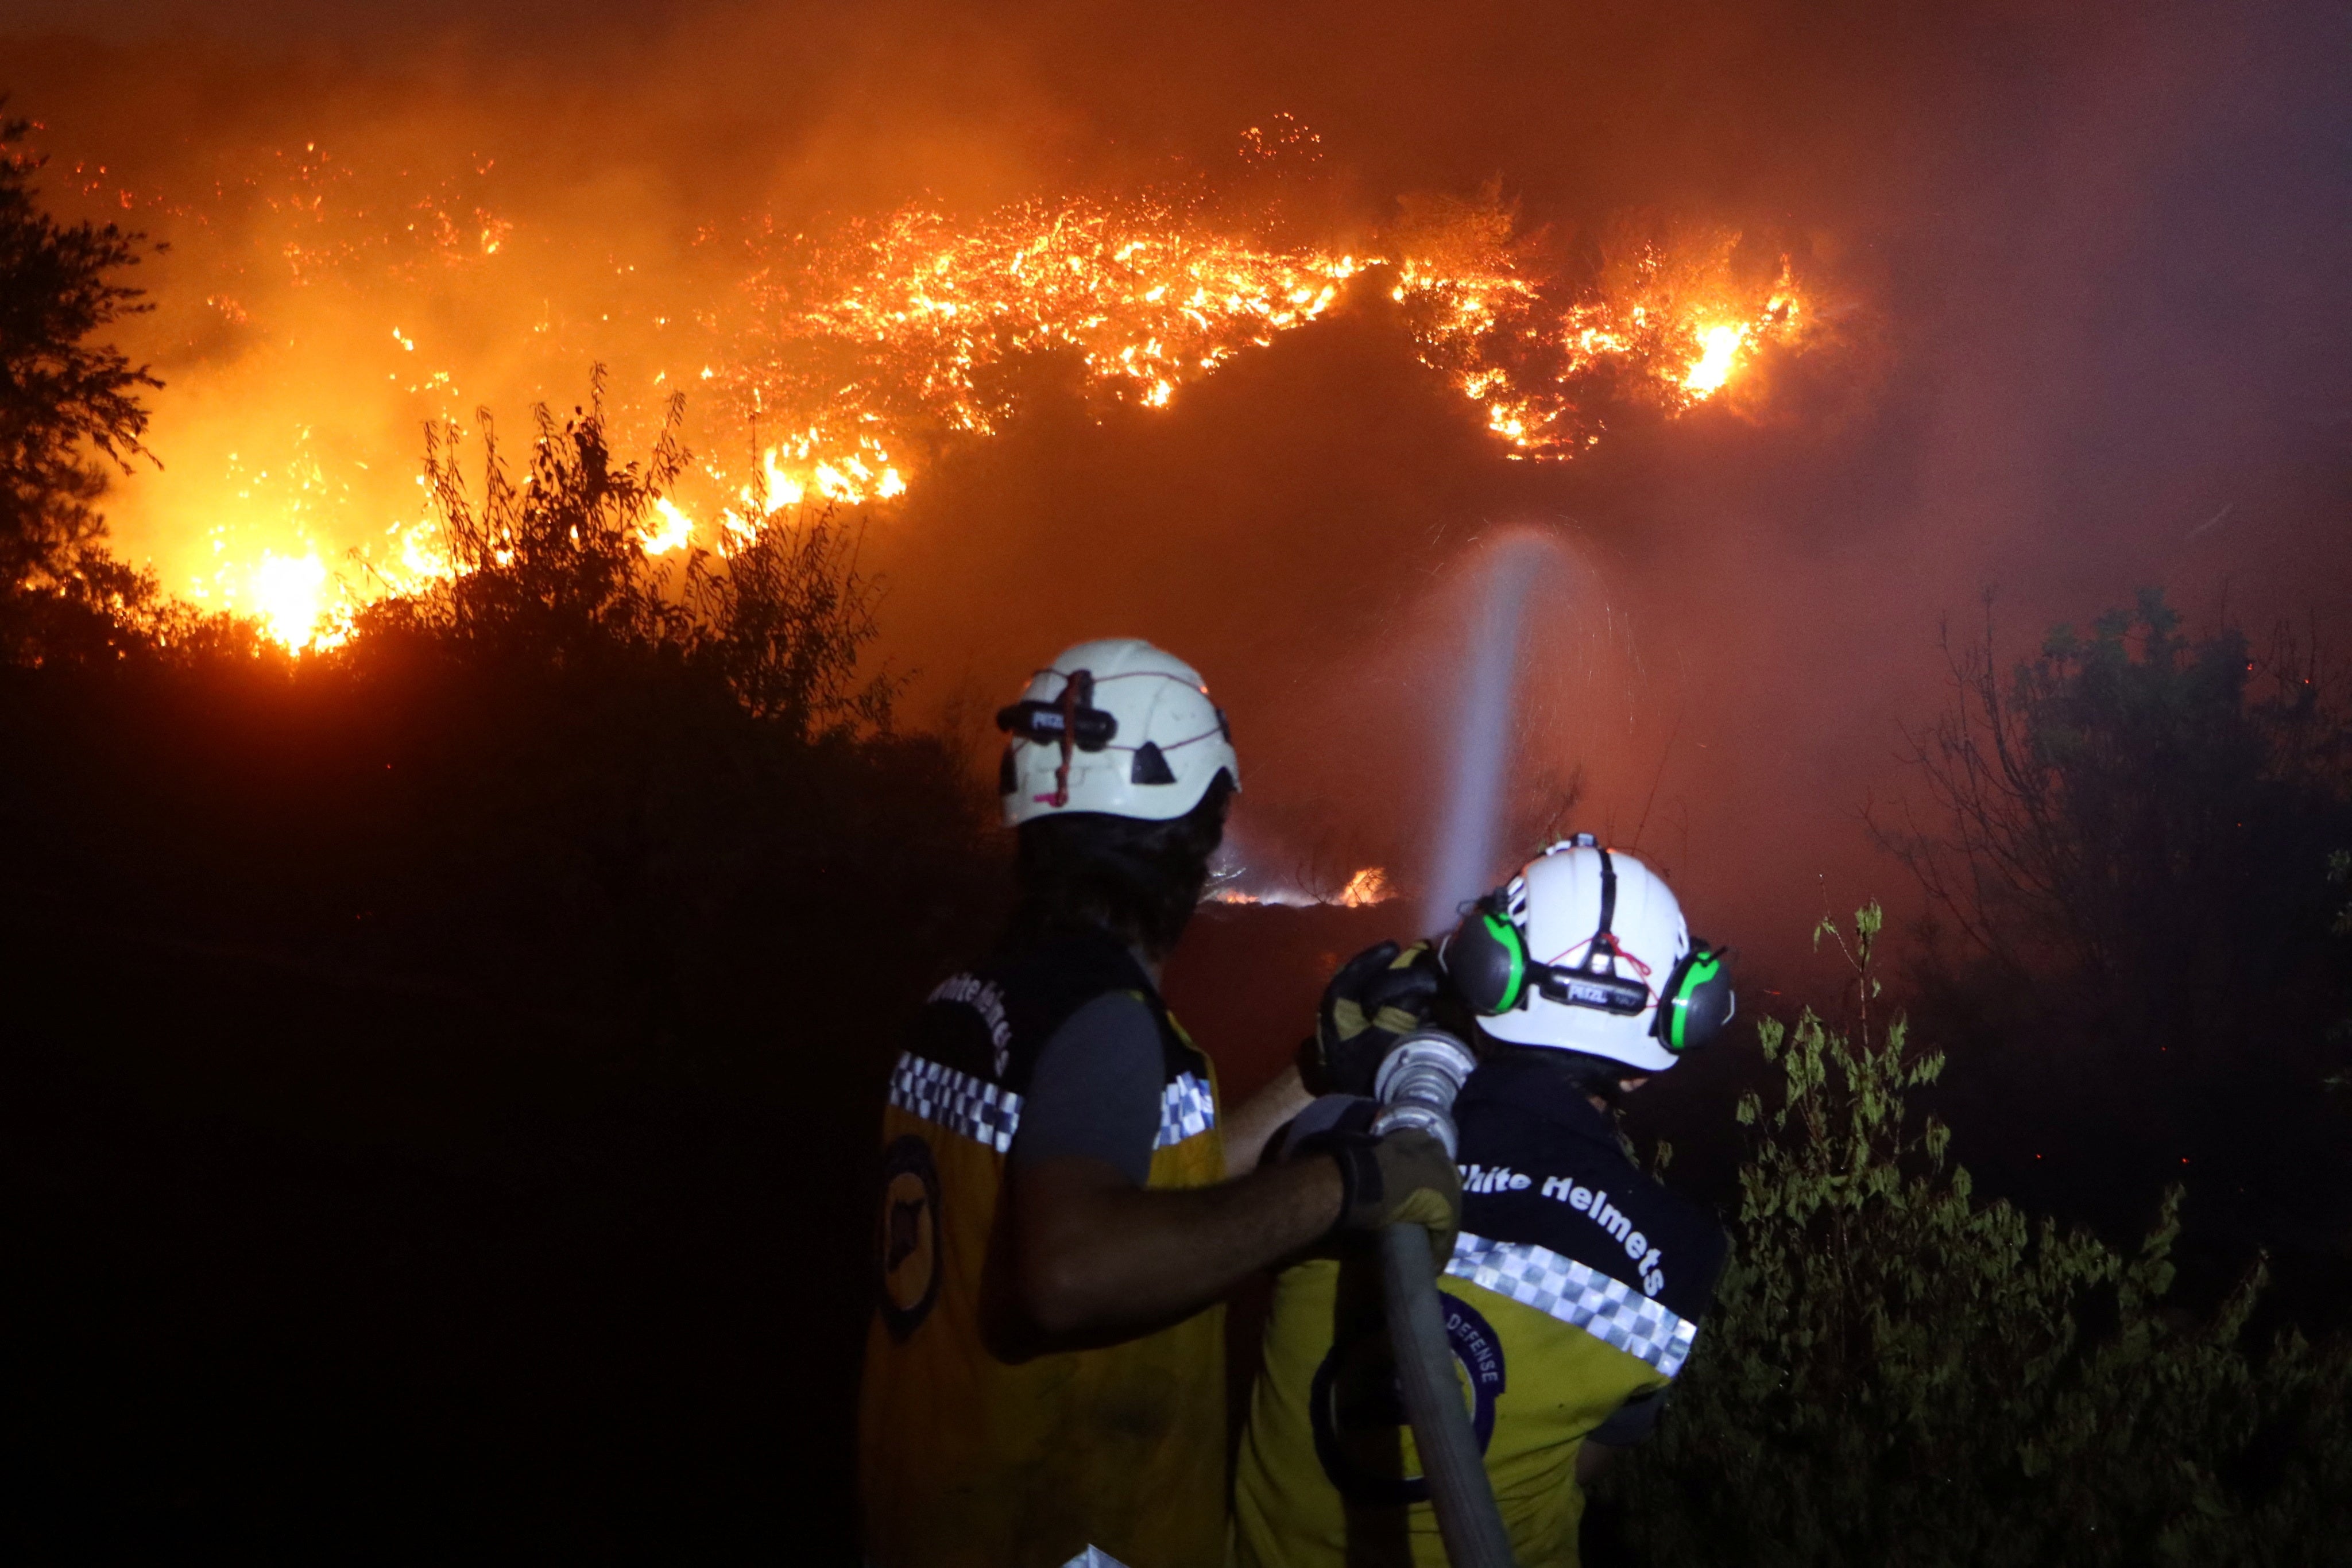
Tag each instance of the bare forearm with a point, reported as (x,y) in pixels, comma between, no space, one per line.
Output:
(1247,1129)
(1099,1256)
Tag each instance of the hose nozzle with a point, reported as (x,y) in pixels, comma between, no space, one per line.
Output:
(1417,1082)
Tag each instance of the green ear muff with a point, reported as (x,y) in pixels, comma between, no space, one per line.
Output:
(1487,960)
(1506,935)
(1697,1001)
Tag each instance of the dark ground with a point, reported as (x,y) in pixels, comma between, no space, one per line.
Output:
(308,1265)
(436,1112)
(352,1274)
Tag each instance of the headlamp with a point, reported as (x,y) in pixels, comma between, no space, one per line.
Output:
(1584,989)
(1046,724)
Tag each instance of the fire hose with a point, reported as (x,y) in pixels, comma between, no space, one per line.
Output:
(1417,1083)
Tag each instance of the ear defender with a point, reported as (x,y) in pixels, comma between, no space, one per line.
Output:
(1697,1001)
(1486,958)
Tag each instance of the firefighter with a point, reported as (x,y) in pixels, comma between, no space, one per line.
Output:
(1577,1284)
(1061,1202)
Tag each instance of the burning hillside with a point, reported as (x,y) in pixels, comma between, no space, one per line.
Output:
(315,311)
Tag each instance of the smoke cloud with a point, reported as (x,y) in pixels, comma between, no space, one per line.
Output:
(2082,274)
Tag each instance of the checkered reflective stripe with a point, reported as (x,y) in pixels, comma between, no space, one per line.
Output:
(983,1112)
(1188,1108)
(1608,1309)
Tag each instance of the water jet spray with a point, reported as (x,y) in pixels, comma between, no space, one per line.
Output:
(1481,751)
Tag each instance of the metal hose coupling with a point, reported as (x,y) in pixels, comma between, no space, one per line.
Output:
(1417,1082)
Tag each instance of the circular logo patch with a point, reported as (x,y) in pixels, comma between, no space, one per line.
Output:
(908,1239)
(1359,1413)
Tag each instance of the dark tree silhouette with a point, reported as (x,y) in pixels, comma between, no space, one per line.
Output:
(552,565)
(554,571)
(595,886)
(2141,818)
(2127,835)
(68,407)
(788,619)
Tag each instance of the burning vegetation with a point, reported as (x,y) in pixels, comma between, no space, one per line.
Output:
(342,305)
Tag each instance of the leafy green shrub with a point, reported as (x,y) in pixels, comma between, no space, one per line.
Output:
(1896,1372)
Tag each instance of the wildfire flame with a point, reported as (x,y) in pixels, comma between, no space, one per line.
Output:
(294,599)
(855,357)
(1369,886)
(1665,326)
(1718,348)
(674,529)
(1366,887)
(290,596)
(920,308)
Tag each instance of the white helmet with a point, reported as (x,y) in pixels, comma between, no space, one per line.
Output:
(1586,950)
(1115,727)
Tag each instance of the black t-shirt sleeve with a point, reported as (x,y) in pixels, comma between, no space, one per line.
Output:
(1095,1089)
(1632,1422)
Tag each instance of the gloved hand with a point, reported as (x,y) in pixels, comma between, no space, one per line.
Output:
(1404,1176)
(1378,996)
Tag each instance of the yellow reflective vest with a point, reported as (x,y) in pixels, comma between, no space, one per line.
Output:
(976,1447)
(1577,1283)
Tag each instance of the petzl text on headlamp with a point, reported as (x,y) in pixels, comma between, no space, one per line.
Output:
(1488,961)
(1581,989)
